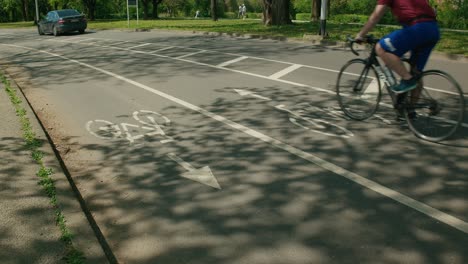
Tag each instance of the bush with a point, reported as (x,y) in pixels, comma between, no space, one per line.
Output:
(452,15)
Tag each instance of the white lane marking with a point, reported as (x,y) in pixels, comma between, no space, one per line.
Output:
(376,187)
(238,71)
(154,51)
(249,93)
(70,39)
(83,39)
(141,45)
(190,54)
(116,43)
(224,64)
(203,175)
(285,71)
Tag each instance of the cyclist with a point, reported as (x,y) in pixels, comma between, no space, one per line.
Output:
(420,32)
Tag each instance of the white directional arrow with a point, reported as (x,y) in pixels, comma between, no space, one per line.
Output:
(249,93)
(203,175)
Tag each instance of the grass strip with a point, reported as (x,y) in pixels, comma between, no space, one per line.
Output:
(72,256)
(452,42)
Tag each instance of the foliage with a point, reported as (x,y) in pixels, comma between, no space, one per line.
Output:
(453,14)
(303,16)
(302,6)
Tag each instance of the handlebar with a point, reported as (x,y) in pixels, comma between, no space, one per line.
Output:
(367,39)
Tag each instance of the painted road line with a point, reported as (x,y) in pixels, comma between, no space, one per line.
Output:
(190,54)
(285,71)
(154,51)
(376,187)
(141,45)
(203,175)
(248,73)
(117,43)
(72,38)
(224,64)
(83,39)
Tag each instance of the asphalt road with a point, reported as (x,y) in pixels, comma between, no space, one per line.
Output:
(200,149)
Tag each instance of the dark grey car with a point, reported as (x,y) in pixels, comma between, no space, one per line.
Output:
(61,21)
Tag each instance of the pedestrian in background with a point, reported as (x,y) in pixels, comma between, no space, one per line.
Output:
(197,13)
(244,11)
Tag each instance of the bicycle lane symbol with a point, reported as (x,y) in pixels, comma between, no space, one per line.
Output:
(312,118)
(150,124)
(318,125)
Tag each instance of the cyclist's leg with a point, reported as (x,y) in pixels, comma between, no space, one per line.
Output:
(420,55)
(390,49)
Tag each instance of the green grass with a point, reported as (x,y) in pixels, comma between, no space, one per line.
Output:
(17,25)
(33,144)
(452,42)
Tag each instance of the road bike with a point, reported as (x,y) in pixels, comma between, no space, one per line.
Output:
(434,110)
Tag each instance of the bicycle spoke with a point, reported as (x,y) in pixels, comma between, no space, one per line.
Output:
(439,107)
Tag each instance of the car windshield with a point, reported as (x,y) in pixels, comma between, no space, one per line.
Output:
(65,13)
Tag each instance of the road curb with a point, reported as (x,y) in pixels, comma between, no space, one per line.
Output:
(84,237)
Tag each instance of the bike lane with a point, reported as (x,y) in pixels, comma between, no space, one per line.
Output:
(270,199)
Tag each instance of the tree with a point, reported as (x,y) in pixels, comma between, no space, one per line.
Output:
(145,8)
(316,6)
(90,8)
(276,12)
(25,9)
(214,8)
(155,8)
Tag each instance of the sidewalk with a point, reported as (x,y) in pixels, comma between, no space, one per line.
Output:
(28,233)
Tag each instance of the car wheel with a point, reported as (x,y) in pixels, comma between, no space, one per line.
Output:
(81,31)
(39,30)
(54,30)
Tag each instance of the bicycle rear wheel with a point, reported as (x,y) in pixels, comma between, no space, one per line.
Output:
(435,111)
(358,89)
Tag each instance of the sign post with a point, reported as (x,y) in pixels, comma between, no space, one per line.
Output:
(323,18)
(132,3)
(37,13)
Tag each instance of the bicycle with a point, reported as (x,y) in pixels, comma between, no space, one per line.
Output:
(433,111)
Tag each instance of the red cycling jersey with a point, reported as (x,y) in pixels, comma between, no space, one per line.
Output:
(407,11)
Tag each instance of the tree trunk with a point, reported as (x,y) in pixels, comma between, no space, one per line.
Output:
(276,12)
(267,12)
(90,6)
(155,8)
(24,9)
(214,8)
(316,6)
(145,9)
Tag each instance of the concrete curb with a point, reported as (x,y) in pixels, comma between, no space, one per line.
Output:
(84,238)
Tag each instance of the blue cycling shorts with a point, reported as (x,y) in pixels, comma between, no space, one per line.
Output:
(419,38)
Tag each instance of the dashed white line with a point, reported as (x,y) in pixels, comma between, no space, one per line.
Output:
(138,46)
(376,187)
(190,54)
(166,48)
(224,64)
(285,71)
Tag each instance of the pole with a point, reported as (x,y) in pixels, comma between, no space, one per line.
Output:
(323,18)
(128,16)
(37,13)
(137,11)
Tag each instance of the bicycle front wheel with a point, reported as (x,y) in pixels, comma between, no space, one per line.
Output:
(358,89)
(436,108)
